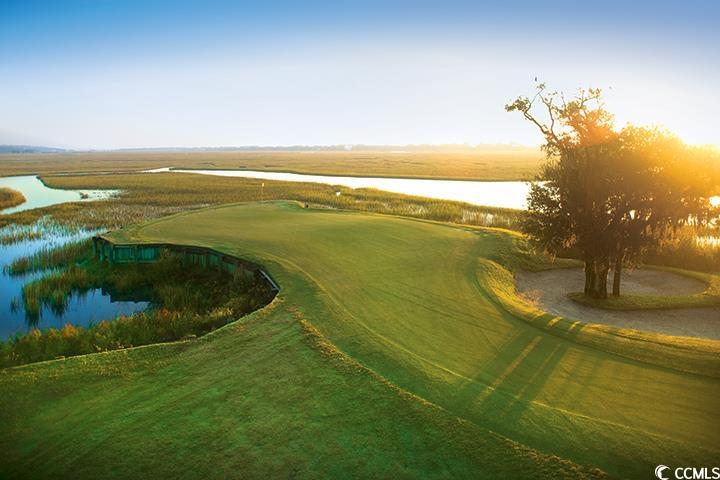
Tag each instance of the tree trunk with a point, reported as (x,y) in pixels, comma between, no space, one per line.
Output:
(589,278)
(601,285)
(617,274)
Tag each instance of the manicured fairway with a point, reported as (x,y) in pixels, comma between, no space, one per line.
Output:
(412,302)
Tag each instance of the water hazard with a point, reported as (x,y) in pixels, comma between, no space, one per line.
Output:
(18,241)
(90,307)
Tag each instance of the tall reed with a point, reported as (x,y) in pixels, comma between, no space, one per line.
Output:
(10,198)
(49,258)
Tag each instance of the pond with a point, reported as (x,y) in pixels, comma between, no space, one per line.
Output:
(490,194)
(38,195)
(83,310)
(91,307)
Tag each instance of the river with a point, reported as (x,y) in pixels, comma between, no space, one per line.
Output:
(490,194)
(38,195)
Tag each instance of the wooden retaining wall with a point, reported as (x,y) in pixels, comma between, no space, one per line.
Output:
(112,252)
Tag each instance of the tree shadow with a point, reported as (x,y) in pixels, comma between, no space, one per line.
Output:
(504,388)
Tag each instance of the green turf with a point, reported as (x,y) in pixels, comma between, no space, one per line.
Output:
(426,307)
(265,397)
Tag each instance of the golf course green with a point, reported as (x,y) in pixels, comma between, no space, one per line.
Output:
(395,348)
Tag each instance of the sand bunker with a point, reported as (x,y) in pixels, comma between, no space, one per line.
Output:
(548,290)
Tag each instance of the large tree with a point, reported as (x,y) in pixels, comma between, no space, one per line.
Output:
(659,186)
(609,194)
(568,208)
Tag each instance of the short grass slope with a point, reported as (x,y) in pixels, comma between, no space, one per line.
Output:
(266,397)
(436,350)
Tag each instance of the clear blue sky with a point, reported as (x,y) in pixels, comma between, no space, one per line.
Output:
(107,73)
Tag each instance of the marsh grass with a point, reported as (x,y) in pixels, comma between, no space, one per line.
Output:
(50,258)
(483,163)
(54,290)
(13,233)
(187,301)
(10,198)
(146,196)
(690,249)
(21,227)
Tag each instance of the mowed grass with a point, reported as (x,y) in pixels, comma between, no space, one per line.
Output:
(266,397)
(422,307)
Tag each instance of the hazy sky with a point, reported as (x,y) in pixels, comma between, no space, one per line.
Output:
(106,73)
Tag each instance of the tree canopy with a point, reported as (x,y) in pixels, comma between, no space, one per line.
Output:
(611,193)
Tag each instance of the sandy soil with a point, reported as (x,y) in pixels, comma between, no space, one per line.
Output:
(548,290)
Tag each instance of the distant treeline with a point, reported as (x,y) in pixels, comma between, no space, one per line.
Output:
(29,149)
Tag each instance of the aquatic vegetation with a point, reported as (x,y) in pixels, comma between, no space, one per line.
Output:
(20,236)
(49,258)
(691,249)
(11,233)
(54,290)
(19,228)
(146,196)
(10,198)
(188,300)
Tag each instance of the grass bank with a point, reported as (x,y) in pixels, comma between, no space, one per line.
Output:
(264,397)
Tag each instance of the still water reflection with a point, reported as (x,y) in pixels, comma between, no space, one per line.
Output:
(38,195)
(91,307)
(490,194)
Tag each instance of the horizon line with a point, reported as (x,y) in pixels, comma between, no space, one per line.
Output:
(297,147)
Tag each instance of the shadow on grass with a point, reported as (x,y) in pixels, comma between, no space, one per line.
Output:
(504,387)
